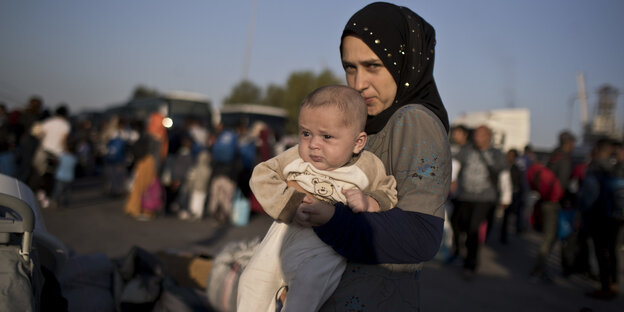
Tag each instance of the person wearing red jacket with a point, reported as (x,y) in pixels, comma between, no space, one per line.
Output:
(545,182)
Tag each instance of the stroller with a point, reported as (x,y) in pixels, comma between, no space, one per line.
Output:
(21,278)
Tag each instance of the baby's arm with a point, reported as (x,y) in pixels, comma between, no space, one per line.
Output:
(360,202)
(278,198)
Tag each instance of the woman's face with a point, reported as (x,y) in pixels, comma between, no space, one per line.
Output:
(366,73)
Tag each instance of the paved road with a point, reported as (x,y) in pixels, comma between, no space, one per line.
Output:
(94,223)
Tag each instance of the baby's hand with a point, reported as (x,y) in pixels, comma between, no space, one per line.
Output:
(359,202)
(312,212)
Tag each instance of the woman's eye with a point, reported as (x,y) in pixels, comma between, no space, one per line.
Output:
(348,67)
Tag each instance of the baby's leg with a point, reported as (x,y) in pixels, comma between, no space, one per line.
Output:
(262,276)
(312,269)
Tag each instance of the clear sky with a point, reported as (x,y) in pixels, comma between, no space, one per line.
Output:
(490,53)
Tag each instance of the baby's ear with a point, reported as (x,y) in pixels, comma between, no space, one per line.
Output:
(360,142)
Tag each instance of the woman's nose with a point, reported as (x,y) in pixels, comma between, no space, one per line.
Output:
(360,82)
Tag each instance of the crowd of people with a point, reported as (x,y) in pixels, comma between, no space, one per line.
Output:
(36,147)
(190,172)
(568,196)
(159,171)
(387,52)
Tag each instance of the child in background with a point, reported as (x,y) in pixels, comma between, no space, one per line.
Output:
(197,183)
(64,175)
(329,165)
(177,167)
(115,159)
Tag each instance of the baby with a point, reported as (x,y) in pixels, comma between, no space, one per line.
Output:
(329,164)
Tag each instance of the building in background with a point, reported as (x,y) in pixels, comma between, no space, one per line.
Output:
(511,127)
(604,123)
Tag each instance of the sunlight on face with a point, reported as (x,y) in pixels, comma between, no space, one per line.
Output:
(366,73)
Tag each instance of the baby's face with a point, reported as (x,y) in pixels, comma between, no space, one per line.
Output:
(324,139)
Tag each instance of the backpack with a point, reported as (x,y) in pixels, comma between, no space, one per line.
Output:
(115,150)
(612,195)
(241,209)
(536,217)
(247,151)
(224,149)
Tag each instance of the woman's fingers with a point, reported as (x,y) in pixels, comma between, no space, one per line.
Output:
(317,213)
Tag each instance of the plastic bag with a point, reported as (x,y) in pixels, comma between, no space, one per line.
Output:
(153,197)
(240,209)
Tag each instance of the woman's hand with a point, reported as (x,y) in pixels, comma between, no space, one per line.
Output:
(313,212)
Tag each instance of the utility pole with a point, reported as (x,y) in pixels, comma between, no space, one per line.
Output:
(582,97)
(252,27)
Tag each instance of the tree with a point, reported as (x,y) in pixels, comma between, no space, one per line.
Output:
(244,92)
(273,96)
(289,97)
(298,85)
(327,77)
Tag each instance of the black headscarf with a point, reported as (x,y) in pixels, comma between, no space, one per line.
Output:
(405,44)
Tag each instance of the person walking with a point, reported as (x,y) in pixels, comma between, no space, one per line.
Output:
(481,166)
(64,176)
(544,181)
(603,206)
(517,176)
(55,130)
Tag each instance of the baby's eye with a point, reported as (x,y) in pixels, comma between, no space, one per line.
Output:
(305,133)
(327,136)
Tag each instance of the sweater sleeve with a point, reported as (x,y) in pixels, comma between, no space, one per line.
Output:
(418,156)
(383,186)
(393,236)
(270,189)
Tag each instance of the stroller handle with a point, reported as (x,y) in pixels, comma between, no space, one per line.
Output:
(16,196)
(27,223)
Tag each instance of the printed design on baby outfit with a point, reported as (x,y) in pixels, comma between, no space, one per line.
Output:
(323,188)
(326,185)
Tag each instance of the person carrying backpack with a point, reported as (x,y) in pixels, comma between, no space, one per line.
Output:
(602,202)
(225,152)
(225,164)
(478,178)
